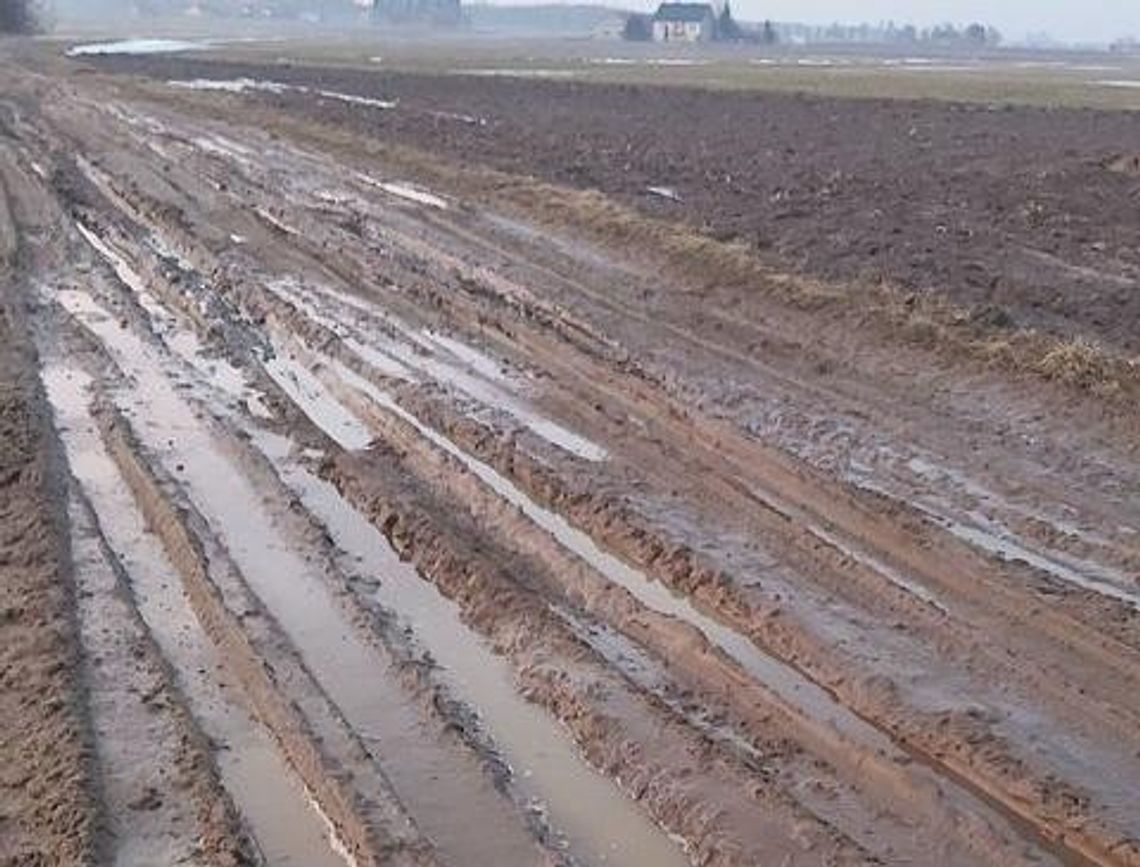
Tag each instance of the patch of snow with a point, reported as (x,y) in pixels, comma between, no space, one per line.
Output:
(405,191)
(353,99)
(676,61)
(274,222)
(230,85)
(1119,82)
(516,73)
(136,46)
(664,192)
(242,85)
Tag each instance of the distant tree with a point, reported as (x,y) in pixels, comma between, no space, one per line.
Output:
(945,34)
(768,35)
(16,16)
(975,33)
(638,28)
(726,27)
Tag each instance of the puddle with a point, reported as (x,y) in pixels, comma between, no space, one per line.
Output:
(996,541)
(600,823)
(1123,82)
(676,61)
(314,399)
(479,362)
(216,372)
(232,85)
(136,46)
(446,360)
(268,795)
(783,680)
(353,99)
(134,741)
(520,72)
(406,191)
(994,538)
(443,787)
(468,119)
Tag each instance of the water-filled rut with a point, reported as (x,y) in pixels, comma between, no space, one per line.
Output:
(270,798)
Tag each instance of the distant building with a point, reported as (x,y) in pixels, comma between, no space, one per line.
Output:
(685,22)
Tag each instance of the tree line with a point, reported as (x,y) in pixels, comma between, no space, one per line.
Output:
(973,35)
(17,16)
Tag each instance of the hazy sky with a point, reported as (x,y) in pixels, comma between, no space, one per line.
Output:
(1064,19)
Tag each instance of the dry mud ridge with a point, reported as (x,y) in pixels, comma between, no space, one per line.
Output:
(361,506)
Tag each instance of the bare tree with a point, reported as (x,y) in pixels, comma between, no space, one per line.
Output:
(16,16)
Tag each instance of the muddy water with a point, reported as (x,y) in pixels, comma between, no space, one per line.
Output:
(999,542)
(977,528)
(784,681)
(443,786)
(443,359)
(601,825)
(136,742)
(311,396)
(217,372)
(268,795)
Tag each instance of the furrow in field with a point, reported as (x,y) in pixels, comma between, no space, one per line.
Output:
(158,784)
(271,801)
(438,783)
(598,823)
(647,611)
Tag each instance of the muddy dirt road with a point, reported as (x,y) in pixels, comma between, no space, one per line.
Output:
(360,506)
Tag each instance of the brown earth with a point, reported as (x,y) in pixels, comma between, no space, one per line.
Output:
(48,813)
(1011,212)
(462,529)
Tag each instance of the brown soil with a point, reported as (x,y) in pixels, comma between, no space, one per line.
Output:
(48,815)
(1009,212)
(775,585)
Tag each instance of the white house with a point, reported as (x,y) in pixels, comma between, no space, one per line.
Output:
(684,22)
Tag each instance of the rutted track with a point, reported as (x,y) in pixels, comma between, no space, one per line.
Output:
(644,622)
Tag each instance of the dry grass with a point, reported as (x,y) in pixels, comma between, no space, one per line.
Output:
(927,322)
(1082,363)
